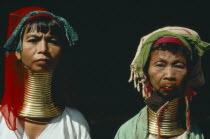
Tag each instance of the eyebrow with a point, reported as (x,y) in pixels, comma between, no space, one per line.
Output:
(179,61)
(28,35)
(31,35)
(165,60)
(160,60)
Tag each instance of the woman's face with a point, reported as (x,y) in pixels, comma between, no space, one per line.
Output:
(167,72)
(40,52)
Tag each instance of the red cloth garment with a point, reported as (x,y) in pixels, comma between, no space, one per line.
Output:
(14,81)
(15,17)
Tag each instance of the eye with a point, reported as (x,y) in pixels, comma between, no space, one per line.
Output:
(32,40)
(53,41)
(180,66)
(160,64)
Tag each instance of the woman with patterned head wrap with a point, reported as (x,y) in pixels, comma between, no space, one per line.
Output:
(167,67)
(32,104)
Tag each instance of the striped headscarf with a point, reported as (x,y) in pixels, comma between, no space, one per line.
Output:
(13,86)
(187,36)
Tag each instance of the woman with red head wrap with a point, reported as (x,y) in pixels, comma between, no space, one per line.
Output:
(31,105)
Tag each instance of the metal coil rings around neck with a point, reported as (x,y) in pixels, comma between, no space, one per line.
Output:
(38,102)
(169,120)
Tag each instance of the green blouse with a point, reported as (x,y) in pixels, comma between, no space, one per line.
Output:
(137,128)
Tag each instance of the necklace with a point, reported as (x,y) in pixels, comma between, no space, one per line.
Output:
(36,121)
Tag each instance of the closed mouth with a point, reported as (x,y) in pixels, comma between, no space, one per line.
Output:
(43,61)
(169,88)
(47,60)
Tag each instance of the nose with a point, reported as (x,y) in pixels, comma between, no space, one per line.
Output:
(42,47)
(169,74)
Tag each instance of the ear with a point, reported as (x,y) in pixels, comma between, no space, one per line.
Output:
(18,55)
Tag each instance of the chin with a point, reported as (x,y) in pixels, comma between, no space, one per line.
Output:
(41,69)
(170,94)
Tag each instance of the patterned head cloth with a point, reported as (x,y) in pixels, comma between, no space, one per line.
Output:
(20,17)
(13,90)
(180,35)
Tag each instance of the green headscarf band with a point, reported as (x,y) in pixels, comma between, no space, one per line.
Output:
(191,42)
(71,35)
(188,37)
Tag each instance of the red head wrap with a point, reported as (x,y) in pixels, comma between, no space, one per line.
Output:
(169,39)
(13,90)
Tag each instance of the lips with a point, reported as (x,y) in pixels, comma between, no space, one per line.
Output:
(42,61)
(169,88)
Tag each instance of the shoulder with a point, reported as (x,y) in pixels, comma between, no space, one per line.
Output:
(128,129)
(75,115)
(76,118)
(76,123)
(195,132)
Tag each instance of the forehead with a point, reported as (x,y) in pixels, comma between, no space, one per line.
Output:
(43,27)
(33,31)
(167,55)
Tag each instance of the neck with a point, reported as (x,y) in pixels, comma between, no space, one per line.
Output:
(167,121)
(38,102)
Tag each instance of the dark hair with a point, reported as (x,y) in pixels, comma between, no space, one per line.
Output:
(174,48)
(44,25)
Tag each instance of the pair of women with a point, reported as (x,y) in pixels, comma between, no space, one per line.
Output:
(167,64)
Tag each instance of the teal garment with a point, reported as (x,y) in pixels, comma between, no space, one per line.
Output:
(137,128)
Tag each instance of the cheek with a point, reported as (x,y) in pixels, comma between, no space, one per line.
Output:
(56,53)
(26,56)
(155,82)
(27,53)
(154,78)
(182,77)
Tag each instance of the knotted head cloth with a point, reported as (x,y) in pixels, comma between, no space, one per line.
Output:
(187,36)
(14,85)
